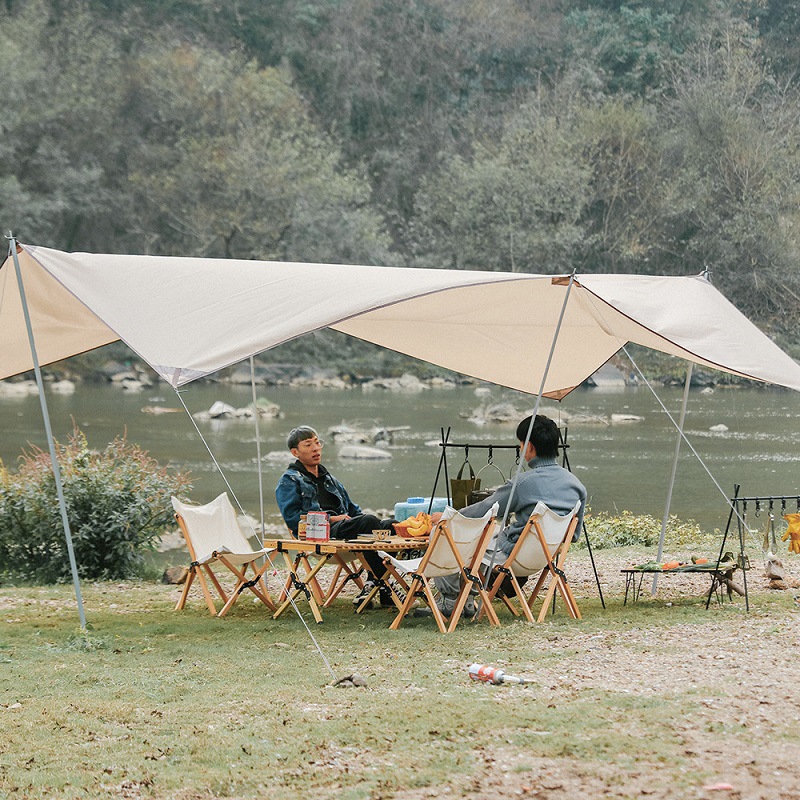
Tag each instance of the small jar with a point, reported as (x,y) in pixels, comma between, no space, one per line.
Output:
(301,528)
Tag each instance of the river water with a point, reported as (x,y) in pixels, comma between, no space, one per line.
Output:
(623,465)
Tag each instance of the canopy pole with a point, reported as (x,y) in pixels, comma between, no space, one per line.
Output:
(541,388)
(664,521)
(12,250)
(258,445)
(533,416)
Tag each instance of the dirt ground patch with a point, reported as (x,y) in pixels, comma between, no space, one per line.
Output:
(738,729)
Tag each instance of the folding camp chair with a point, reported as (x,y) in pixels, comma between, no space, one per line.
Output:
(542,547)
(213,536)
(456,546)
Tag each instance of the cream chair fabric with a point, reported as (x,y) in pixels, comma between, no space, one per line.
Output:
(457,546)
(213,537)
(542,548)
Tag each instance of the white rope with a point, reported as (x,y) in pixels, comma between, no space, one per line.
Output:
(684,437)
(255,534)
(599,309)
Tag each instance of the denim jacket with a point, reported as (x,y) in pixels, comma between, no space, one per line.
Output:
(296,494)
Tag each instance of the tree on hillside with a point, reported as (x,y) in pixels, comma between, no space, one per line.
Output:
(732,145)
(778,22)
(514,206)
(228,164)
(624,52)
(406,84)
(60,150)
(629,184)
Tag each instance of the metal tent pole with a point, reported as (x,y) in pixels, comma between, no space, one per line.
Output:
(12,249)
(672,476)
(258,444)
(538,402)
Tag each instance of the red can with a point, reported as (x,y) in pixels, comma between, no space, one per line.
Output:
(317,526)
(483,672)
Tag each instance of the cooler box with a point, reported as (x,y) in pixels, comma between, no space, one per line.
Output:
(412,507)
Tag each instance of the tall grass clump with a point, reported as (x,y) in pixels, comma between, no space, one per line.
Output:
(118,504)
(628,529)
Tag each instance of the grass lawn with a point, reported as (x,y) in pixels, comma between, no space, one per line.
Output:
(659,699)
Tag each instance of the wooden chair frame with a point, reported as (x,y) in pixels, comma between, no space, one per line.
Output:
(555,555)
(421,586)
(237,563)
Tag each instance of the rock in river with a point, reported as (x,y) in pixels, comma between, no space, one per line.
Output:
(359,451)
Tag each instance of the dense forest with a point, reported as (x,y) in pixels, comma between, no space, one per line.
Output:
(539,136)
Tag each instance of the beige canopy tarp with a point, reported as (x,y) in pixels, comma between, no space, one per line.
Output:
(189,317)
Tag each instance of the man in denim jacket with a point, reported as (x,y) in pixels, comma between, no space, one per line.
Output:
(308,486)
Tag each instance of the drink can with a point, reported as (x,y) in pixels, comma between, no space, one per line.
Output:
(483,672)
(317,526)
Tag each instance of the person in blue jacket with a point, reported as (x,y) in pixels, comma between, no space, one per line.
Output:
(308,486)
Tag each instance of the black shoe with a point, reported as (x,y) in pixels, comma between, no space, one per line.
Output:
(364,594)
(386,598)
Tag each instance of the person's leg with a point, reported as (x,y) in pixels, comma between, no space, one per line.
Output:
(351,529)
(449,586)
(354,527)
(495,558)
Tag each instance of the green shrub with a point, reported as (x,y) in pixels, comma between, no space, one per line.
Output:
(627,529)
(118,504)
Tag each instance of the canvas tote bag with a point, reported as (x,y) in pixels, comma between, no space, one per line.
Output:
(461,488)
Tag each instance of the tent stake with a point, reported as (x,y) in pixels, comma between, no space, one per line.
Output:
(12,249)
(664,521)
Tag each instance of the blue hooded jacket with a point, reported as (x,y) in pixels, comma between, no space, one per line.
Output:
(296,494)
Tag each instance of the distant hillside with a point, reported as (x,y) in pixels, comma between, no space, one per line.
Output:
(530,135)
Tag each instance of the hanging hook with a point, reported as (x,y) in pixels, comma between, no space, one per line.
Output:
(758,506)
(770,506)
(466,453)
(491,450)
(783,505)
(516,461)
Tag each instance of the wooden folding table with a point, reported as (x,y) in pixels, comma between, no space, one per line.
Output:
(296,554)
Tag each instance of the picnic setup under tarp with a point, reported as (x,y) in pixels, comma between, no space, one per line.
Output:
(541,334)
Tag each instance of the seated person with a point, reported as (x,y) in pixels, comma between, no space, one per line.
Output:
(308,486)
(546,481)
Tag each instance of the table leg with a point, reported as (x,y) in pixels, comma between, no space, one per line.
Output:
(319,595)
(380,583)
(302,585)
(338,582)
(637,587)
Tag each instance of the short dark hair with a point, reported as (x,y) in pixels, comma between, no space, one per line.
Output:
(300,434)
(544,436)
